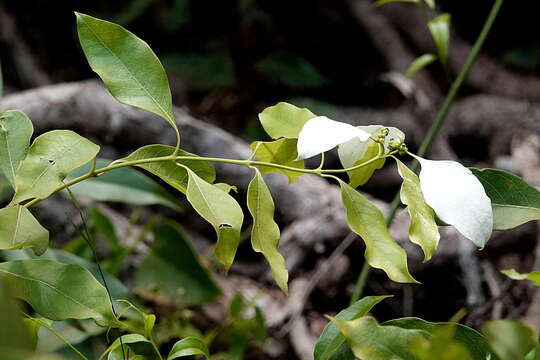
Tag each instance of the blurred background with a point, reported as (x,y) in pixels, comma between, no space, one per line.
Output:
(228,60)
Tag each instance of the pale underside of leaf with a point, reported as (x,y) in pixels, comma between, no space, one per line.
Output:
(19,229)
(15,132)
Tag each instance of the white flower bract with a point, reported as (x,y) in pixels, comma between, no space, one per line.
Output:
(321,134)
(458,198)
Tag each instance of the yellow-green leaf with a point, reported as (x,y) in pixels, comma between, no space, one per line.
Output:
(265,231)
(284,120)
(382,251)
(49,160)
(15,132)
(280,152)
(439,28)
(127,65)
(382,2)
(509,339)
(355,152)
(221,210)
(423,229)
(534,276)
(19,229)
(419,63)
(169,171)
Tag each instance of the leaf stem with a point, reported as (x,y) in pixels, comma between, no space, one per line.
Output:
(120,164)
(435,128)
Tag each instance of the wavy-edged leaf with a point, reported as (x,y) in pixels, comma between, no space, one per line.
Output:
(172,271)
(509,339)
(419,63)
(169,171)
(331,345)
(189,346)
(382,251)
(284,120)
(15,132)
(370,340)
(221,210)
(280,152)
(458,198)
(19,229)
(127,65)
(321,134)
(534,276)
(124,185)
(265,232)
(423,229)
(439,28)
(514,202)
(49,160)
(58,291)
(473,341)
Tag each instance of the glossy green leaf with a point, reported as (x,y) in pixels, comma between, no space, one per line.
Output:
(439,28)
(127,65)
(509,339)
(419,63)
(49,160)
(284,120)
(172,271)
(382,251)
(14,334)
(514,202)
(221,210)
(19,229)
(187,347)
(331,345)
(423,229)
(371,341)
(116,287)
(15,132)
(355,152)
(169,171)
(532,276)
(265,232)
(383,2)
(281,152)
(58,291)
(130,339)
(473,341)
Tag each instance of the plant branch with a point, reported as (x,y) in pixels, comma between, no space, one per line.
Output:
(435,128)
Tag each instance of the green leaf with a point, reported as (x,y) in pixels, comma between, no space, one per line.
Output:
(15,132)
(355,152)
(187,347)
(221,210)
(430,3)
(281,152)
(6,190)
(514,202)
(50,158)
(58,291)
(439,28)
(382,251)
(509,339)
(369,340)
(383,2)
(284,120)
(146,348)
(124,185)
(19,229)
(172,272)
(127,65)
(419,63)
(532,276)
(473,341)
(423,229)
(169,171)
(265,232)
(332,343)
(441,346)
(14,334)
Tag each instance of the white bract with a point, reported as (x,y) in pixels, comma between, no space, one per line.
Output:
(321,134)
(458,198)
